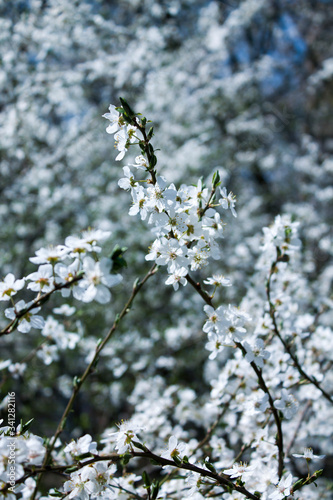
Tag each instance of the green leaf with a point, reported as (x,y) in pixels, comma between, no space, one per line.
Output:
(140,446)
(176,459)
(146,479)
(126,458)
(210,467)
(150,133)
(127,108)
(56,493)
(136,282)
(117,257)
(26,426)
(155,489)
(153,161)
(216,181)
(203,183)
(153,462)
(70,469)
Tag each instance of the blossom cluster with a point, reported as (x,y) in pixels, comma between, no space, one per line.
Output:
(17,451)
(67,268)
(183,220)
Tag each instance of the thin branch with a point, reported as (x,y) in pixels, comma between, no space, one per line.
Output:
(305,409)
(279,434)
(200,290)
(278,334)
(279,437)
(80,380)
(36,303)
(220,479)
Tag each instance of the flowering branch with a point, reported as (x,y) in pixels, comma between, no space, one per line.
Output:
(79,381)
(258,371)
(221,480)
(281,257)
(279,435)
(39,301)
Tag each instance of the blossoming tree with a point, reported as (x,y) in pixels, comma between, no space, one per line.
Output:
(264,397)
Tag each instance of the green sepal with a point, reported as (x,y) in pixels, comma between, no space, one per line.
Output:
(128,120)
